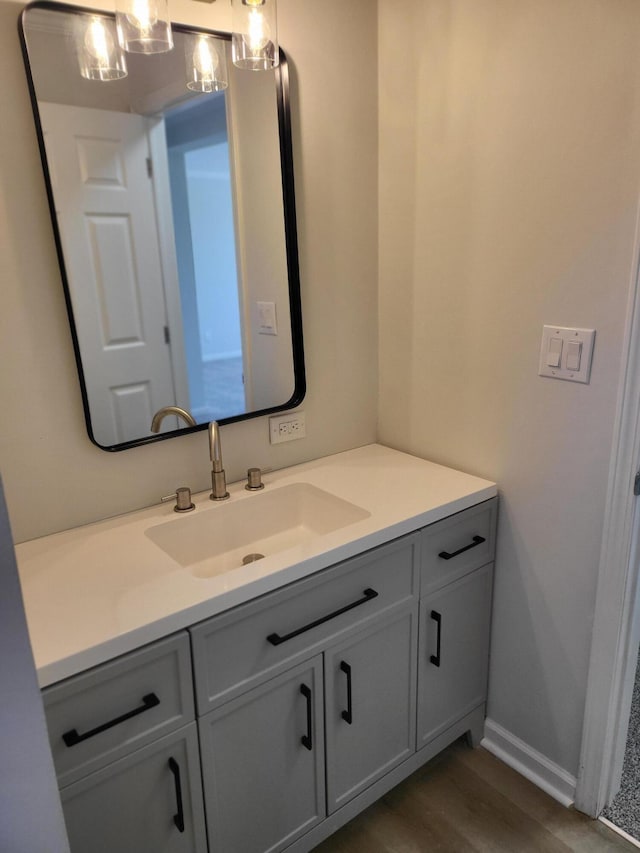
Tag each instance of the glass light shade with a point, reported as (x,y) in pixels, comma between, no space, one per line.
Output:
(206,64)
(254,43)
(144,26)
(99,55)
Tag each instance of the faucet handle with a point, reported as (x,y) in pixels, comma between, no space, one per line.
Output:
(182,496)
(254,480)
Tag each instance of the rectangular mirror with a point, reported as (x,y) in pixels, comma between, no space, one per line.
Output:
(174,215)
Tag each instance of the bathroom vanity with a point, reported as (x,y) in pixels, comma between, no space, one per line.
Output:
(195,705)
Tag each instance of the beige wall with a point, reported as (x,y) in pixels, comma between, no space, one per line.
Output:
(54,477)
(509,163)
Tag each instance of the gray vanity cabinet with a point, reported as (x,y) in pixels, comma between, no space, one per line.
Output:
(148,802)
(125,747)
(283,718)
(263,763)
(370,705)
(455,615)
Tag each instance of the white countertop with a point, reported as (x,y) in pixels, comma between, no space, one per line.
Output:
(104,589)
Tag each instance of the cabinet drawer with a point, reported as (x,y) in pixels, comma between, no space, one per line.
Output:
(115,708)
(456,545)
(233,651)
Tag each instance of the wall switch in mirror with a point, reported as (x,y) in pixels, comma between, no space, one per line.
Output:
(287,427)
(267,324)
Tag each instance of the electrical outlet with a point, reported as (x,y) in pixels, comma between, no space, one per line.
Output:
(288,427)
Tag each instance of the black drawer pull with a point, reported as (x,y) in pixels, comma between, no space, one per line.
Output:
(347,715)
(306,740)
(71,738)
(477,540)
(276,639)
(437,618)
(178,818)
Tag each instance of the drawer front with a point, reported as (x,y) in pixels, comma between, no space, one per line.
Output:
(456,545)
(232,652)
(109,711)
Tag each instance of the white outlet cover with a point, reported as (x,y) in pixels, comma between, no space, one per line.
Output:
(288,427)
(586,337)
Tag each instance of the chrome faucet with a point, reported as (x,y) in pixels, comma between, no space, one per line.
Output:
(218,479)
(162,413)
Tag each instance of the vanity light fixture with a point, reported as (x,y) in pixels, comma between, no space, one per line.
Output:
(254,43)
(144,26)
(99,55)
(206,64)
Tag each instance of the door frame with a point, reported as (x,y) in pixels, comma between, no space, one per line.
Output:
(168,261)
(616,623)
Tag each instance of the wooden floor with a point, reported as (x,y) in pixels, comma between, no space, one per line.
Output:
(467,800)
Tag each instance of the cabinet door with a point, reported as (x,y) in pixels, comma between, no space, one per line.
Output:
(263,763)
(148,802)
(370,705)
(453,652)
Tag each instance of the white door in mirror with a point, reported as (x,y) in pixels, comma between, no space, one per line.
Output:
(288,427)
(106,208)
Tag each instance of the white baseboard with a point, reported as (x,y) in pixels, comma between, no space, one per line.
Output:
(620,832)
(529,763)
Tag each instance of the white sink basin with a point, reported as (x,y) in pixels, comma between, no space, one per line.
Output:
(217,539)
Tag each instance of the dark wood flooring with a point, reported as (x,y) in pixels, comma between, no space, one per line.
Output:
(467,800)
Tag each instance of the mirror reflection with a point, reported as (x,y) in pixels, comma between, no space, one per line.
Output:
(173,210)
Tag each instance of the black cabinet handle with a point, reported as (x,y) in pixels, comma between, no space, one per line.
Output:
(276,639)
(178,818)
(437,618)
(71,738)
(306,740)
(347,715)
(477,540)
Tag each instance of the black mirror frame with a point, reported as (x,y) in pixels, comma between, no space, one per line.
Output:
(290,222)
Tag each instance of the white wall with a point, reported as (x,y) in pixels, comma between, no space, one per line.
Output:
(509,163)
(54,477)
(262,273)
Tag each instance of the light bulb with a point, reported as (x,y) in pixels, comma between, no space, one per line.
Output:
(205,61)
(259,33)
(254,42)
(206,67)
(143,17)
(98,41)
(143,26)
(99,56)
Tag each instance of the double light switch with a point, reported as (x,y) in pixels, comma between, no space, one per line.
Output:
(566,353)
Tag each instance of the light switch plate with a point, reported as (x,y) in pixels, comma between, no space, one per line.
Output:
(267,324)
(585,337)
